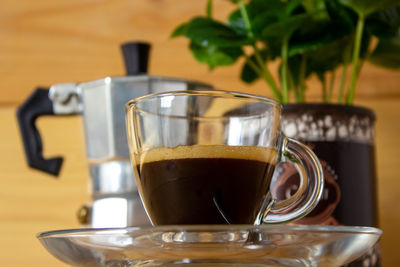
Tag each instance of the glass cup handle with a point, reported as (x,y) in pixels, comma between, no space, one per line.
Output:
(310,189)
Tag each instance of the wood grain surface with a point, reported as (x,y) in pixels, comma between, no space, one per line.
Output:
(46,42)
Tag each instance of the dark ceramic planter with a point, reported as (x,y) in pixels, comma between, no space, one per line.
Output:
(343,139)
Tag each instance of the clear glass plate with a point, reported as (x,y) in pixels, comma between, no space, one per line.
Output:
(216,245)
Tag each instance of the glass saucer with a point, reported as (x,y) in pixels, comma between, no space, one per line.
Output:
(215,245)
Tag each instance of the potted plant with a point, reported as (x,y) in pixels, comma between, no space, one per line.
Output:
(322,38)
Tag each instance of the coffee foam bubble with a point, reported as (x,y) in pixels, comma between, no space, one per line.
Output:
(262,154)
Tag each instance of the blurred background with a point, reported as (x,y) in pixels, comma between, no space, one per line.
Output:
(45,42)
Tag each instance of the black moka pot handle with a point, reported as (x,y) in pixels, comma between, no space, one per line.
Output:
(38,104)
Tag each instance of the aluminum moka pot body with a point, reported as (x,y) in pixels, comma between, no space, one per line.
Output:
(101,103)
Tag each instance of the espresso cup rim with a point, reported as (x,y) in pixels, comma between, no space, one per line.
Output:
(131,104)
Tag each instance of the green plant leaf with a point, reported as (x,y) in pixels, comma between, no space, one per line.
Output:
(366,7)
(262,13)
(181,30)
(317,8)
(278,7)
(387,53)
(341,16)
(385,23)
(315,34)
(294,67)
(328,57)
(215,56)
(307,46)
(294,64)
(206,31)
(307,42)
(248,75)
(236,22)
(261,21)
(257,11)
(284,28)
(290,7)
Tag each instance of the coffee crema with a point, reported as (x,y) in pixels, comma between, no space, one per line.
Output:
(204,184)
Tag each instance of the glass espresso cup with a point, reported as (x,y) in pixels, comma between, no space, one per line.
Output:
(208,157)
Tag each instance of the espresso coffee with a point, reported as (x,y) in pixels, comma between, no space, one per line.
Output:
(205,184)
